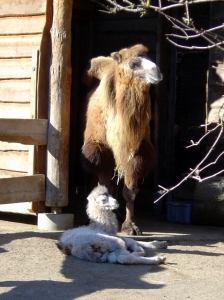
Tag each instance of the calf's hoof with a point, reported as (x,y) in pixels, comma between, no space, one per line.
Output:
(161,259)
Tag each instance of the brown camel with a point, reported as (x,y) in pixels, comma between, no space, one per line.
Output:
(117,134)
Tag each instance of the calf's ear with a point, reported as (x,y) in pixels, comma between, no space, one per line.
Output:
(90,198)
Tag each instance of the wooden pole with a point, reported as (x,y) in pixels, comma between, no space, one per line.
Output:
(59,110)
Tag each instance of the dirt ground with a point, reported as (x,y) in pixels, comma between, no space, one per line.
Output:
(31,267)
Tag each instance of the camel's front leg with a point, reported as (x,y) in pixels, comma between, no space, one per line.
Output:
(129,227)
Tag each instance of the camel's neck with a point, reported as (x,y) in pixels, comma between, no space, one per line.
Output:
(133,109)
(105,221)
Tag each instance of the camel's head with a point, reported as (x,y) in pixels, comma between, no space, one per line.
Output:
(101,198)
(136,61)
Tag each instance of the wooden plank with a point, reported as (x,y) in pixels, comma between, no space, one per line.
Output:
(33,91)
(22,25)
(22,7)
(5,146)
(9,174)
(30,132)
(18,45)
(15,90)
(14,161)
(15,68)
(33,107)
(22,189)
(14,110)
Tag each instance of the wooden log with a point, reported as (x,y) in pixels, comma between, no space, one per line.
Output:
(22,7)
(22,189)
(15,68)
(15,90)
(22,25)
(60,90)
(18,45)
(24,131)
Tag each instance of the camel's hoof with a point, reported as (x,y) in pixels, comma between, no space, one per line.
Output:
(138,231)
(131,230)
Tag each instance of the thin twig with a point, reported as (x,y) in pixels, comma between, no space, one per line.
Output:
(198,142)
(198,178)
(192,170)
(212,163)
(196,47)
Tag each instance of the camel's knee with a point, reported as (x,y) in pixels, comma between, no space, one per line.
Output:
(112,258)
(129,192)
(139,251)
(96,158)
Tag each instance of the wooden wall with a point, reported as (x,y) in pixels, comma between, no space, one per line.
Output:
(21,27)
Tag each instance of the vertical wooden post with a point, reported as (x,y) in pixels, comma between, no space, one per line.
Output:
(33,106)
(59,110)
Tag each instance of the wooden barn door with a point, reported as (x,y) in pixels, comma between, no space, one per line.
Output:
(24,81)
(28,134)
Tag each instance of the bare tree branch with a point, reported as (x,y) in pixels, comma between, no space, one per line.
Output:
(207,133)
(185,26)
(196,170)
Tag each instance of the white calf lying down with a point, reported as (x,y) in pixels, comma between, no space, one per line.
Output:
(98,241)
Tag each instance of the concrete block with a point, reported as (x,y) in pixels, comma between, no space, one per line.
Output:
(51,221)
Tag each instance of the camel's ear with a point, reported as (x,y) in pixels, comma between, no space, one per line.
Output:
(98,66)
(90,197)
(116,56)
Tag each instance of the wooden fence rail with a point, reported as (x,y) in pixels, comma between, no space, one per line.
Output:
(22,189)
(24,131)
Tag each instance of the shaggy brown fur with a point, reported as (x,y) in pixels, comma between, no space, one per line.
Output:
(117,134)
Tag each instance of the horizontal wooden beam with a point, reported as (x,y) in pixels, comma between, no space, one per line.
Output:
(22,25)
(24,131)
(16,89)
(22,189)
(19,45)
(14,110)
(14,160)
(22,7)
(15,68)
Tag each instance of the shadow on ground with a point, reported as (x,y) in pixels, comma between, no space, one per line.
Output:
(66,277)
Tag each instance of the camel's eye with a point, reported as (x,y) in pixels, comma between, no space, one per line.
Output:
(102,199)
(135,63)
